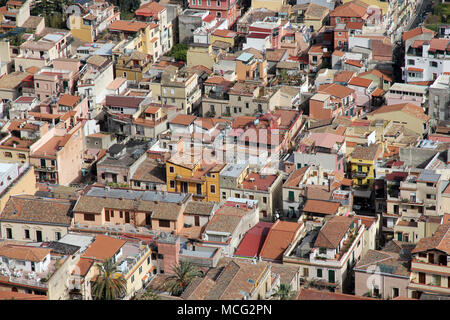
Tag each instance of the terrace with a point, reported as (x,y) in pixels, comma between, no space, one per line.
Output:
(30,278)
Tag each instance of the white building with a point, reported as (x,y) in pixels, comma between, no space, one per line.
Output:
(427,60)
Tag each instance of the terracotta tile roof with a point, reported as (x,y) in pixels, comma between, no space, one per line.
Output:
(26,253)
(366,153)
(150,171)
(313,294)
(355,63)
(253,240)
(439,241)
(377,92)
(275,54)
(295,177)
(83,266)
(439,44)
(360,82)
(320,206)
(410,108)
(103,247)
(415,69)
(226,219)
(381,258)
(199,208)
(338,53)
(278,239)
(150,9)
(343,76)
(224,33)
(335,90)
(27,208)
(10,295)
(123,101)
(415,32)
(332,232)
(356,9)
(69,100)
(262,182)
(130,26)
(183,119)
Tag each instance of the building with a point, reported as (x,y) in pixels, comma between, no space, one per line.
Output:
(133,66)
(410,115)
(279,238)
(57,156)
(221,9)
(429,267)
(383,274)
(439,99)
(328,254)
(362,164)
(153,210)
(230,283)
(177,87)
(187,173)
(426,60)
(33,219)
(16,180)
(88,20)
(400,93)
(237,181)
(229,224)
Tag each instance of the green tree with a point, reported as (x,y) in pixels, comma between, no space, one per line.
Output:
(150,294)
(110,284)
(183,275)
(284,292)
(179,52)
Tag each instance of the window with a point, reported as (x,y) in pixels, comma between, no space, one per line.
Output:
(411,62)
(305,272)
(171,169)
(208,2)
(9,233)
(132,278)
(322,250)
(89,217)
(264,199)
(22,156)
(8,154)
(395,292)
(121,214)
(213,188)
(164,223)
(27,234)
(172,184)
(433,64)
(319,273)
(148,260)
(57,236)
(140,269)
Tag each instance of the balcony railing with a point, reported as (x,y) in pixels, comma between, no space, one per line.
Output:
(359,174)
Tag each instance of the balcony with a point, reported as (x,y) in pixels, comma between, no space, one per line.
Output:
(359,174)
(438,269)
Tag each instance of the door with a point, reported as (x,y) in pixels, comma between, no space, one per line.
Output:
(33,267)
(197,221)
(331,278)
(184,187)
(399,237)
(421,277)
(148,220)
(199,188)
(38,236)
(430,258)
(127,217)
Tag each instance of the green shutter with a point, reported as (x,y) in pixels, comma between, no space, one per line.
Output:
(299,165)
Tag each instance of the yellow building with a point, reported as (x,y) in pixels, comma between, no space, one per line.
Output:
(24,183)
(274,5)
(411,116)
(133,66)
(81,30)
(362,164)
(224,36)
(187,174)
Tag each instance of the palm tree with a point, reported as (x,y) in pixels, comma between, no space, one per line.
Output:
(110,284)
(150,294)
(183,275)
(284,292)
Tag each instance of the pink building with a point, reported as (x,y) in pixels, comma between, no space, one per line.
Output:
(226,9)
(49,82)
